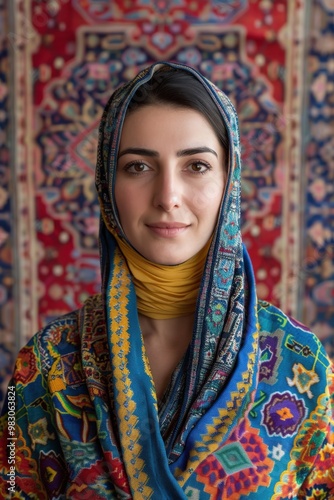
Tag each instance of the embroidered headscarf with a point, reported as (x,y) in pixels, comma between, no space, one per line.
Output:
(220,313)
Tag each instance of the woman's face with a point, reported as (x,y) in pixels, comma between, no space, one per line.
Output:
(169,183)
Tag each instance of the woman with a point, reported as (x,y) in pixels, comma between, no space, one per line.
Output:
(174,382)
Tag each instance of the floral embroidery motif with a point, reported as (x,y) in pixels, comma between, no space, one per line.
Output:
(55,334)
(283,414)
(303,379)
(277,452)
(311,466)
(38,432)
(26,366)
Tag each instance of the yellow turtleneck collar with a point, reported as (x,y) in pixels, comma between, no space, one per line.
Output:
(165,291)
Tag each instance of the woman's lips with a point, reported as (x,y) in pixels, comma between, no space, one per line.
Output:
(168,230)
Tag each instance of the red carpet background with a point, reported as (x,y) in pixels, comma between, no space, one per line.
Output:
(59,62)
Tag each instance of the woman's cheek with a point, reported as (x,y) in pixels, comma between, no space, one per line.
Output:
(208,195)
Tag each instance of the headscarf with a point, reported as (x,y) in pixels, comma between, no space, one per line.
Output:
(222,315)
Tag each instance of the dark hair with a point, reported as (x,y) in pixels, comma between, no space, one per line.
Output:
(181,89)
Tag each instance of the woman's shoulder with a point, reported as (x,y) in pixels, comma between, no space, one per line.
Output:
(289,348)
(62,336)
(273,320)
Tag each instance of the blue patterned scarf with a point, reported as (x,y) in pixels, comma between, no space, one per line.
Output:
(220,324)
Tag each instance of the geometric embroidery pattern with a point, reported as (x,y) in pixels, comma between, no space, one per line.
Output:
(71,368)
(192,493)
(38,432)
(303,379)
(233,458)
(53,472)
(239,467)
(270,358)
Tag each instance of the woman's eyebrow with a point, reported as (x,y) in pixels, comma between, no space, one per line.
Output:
(139,151)
(152,153)
(195,151)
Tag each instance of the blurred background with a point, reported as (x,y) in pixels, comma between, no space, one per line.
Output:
(59,62)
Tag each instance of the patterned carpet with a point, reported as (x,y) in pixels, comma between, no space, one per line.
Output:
(59,62)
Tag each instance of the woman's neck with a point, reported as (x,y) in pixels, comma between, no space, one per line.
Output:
(166,341)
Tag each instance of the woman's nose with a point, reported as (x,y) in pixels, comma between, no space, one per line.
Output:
(167,191)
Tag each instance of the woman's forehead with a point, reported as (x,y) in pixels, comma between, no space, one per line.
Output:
(156,123)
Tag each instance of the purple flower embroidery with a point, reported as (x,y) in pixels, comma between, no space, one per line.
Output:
(283,414)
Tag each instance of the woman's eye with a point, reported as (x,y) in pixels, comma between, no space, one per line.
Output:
(136,168)
(199,167)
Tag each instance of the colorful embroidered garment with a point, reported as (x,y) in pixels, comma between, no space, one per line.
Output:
(248,411)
